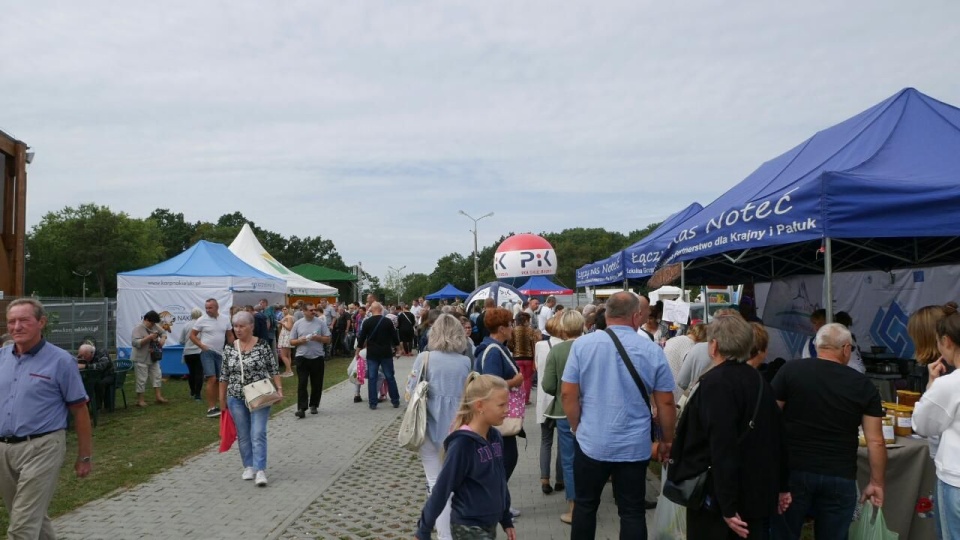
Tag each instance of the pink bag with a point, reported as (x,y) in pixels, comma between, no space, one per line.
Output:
(516,406)
(361,368)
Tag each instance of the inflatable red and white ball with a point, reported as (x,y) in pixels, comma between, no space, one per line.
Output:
(524,255)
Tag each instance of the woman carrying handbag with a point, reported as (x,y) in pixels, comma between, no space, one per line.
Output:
(498,361)
(728,461)
(246,362)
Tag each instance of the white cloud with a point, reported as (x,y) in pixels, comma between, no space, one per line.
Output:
(372,123)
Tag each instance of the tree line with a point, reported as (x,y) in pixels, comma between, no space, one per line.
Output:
(96,242)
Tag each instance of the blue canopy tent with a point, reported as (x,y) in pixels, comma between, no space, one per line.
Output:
(542,286)
(877,191)
(638,261)
(174,287)
(448,292)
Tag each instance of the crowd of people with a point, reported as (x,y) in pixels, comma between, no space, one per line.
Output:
(773,444)
(774,447)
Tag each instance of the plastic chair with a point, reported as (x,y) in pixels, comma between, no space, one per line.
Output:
(123,365)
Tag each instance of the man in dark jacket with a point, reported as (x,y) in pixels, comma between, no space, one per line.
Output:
(380,338)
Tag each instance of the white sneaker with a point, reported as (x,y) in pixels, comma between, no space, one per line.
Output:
(248,473)
(261,478)
(514,512)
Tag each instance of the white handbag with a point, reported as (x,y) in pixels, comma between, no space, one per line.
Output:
(413,428)
(258,394)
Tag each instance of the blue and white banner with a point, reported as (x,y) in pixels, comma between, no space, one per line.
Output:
(609,270)
(880,304)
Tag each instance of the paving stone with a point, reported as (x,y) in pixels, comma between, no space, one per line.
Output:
(337,475)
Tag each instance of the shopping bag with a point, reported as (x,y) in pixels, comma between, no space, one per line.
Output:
(228,430)
(670,519)
(871,525)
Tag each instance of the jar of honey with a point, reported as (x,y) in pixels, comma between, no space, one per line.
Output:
(903,416)
(889,430)
(908,398)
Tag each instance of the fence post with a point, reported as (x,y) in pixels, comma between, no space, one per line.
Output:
(73,324)
(106,324)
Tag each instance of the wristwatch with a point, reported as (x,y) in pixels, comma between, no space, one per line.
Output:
(85,459)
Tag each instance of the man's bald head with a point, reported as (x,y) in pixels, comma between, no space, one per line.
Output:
(627,309)
(376,308)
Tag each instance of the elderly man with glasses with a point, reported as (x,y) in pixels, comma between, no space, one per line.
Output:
(824,402)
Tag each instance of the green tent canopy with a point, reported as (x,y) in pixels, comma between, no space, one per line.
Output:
(320,273)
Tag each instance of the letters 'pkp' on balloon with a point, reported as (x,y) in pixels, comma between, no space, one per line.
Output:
(524,255)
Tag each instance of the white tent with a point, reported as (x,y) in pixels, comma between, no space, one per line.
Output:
(251,251)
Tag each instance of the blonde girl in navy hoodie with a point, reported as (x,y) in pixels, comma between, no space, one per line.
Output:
(473,469)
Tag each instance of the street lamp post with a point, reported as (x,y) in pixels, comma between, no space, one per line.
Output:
(84,278)
(476,254)
(399,283)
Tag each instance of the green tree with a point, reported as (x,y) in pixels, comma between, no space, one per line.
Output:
(89,238)
(416,285)
(455,269)
(214,233)
(175,233)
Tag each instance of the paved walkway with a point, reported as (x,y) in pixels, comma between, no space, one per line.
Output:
(339,474)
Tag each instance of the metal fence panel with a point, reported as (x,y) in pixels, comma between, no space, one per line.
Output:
(71,321)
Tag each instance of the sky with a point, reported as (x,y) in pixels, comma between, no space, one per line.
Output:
(372,123)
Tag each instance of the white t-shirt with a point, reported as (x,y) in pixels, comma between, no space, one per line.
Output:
(212,332)
(545,314)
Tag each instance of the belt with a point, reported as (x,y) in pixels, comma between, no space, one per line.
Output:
(16,440)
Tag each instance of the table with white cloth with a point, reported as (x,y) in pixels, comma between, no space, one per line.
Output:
(911,474)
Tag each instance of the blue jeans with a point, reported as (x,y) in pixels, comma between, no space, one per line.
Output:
(251,432)
(629,492)
(211,362)
(948,508)
(373,373)
(830,500)
(566,443)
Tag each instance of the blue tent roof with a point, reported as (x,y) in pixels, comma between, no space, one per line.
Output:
(203,259)
(888,174)
(446,293)
(638,261)
(541,285)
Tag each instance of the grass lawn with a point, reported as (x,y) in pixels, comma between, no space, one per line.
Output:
(131,445)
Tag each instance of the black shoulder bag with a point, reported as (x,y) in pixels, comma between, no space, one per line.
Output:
(692,492)
(636,378)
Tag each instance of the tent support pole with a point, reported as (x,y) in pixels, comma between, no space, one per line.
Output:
(683,282)
(706,304)
(828,277)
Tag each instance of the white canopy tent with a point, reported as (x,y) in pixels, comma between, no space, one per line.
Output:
(251,251)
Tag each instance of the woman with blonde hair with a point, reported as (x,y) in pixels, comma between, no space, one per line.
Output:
(922,329)
(935,416)
(570,327)
(544,401)
(474,470)
(445,369)
(677,347)
(283,342)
